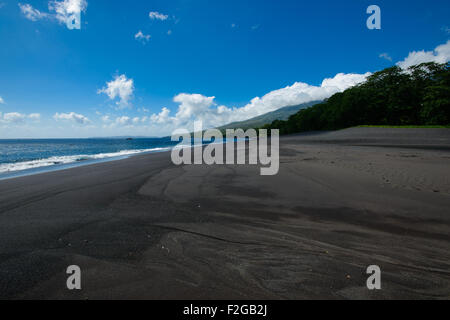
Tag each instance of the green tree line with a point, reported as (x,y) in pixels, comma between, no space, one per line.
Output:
(417,96)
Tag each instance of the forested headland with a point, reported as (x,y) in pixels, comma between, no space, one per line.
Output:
(418,96)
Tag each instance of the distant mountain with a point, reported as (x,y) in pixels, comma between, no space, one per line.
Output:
(268,118)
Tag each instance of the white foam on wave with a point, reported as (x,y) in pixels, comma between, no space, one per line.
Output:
(58,160)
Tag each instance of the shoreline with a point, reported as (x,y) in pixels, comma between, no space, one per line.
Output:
(66,166)
(143,228)
(307,138)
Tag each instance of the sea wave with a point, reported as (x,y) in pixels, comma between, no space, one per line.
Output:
(59,160)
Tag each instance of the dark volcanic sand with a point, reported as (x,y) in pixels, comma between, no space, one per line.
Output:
(142,228)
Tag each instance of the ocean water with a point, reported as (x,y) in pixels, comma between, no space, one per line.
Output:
(22,157)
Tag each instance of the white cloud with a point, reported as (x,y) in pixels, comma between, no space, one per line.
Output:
(30,13)
(136,120)
(196,106)
(18,118)
(124,121)
(34,116)
(106,119)
(441,54)
(121,87)
(142,37)
(295,94)
(13,117)
(192,105)
(385,56)
(72,116)
(67,10)
(154,15)
(2,101)
(341,82)
(162,117)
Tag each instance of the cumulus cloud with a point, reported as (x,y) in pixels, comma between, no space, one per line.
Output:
(121,87)
(162,117)
(192,105)
(67,11)
(144,38)
(342,82)
(72,116)
(31,13)
(441,54)
(385,56)
(2,101)
(295,94)
(196,106)
(154,15)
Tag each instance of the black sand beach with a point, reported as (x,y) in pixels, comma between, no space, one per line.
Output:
(142,228)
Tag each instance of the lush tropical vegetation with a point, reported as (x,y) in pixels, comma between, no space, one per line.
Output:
(419,96)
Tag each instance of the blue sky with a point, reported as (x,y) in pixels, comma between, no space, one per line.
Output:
(203,59)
